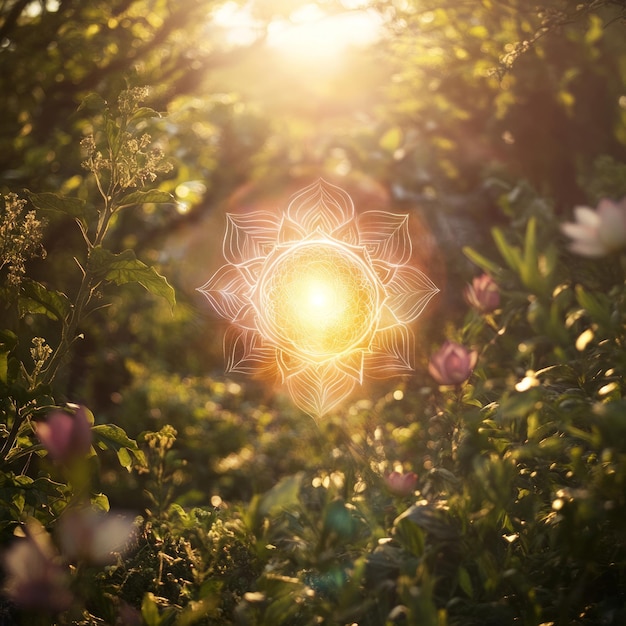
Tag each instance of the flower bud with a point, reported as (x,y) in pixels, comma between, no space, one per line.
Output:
(35,577)
(483,294)
(64,436)
(400,484)
(452,364)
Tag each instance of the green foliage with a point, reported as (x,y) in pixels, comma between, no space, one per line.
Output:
(489,122)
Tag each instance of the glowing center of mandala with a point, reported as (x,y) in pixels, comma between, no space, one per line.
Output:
(319,299)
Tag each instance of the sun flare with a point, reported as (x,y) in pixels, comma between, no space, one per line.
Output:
(318,295)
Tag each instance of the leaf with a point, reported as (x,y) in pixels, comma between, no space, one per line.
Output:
(112,437)
(125,268)
(510,254)
(281,496)
(143,113)
(409,534)
(597,306)
(465,582)
(92,101)
(125,459)
(57,203)
(37,299)
(150,610)
(142,197)
(4,367)
(482,262)
(100,502)
(528,270)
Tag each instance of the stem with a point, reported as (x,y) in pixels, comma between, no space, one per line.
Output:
(68,335)
(8,444)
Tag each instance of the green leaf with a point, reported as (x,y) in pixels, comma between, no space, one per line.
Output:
(37,299)
(281,496)
(598,306)
(409,534)
(143,113)
(482,262)
(125,459)
(528,269)
(113,135)
(57,203)
(100,501)
(141,197)
(92,101)
(112,437)
(510,254)
(126,268)
(4,367)
(465,582)
(150,610)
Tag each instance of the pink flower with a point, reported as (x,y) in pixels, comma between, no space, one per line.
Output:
(452,364)
(93,536)
(401,484)
(598,233)
(483,294)
(64,436)
(35,578)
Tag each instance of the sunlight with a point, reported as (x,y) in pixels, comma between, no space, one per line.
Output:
(309,36)
(312,36)
(319,298)
(319,295)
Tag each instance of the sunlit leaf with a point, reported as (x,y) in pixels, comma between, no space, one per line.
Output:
(283,495)
(48,201)
(142,197)
(37,299)
(125,268)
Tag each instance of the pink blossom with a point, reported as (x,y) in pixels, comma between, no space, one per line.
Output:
(483,294)
(35,578)
(93,536)
(452,364)
(600,232)
(401,484)
(65,436)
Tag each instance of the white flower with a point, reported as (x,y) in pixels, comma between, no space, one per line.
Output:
(600,232)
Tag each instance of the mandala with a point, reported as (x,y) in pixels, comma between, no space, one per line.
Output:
(318,296)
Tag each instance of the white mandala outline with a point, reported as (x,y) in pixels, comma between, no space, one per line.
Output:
(255,290)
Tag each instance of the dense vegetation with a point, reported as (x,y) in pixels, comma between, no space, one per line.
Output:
(141,485)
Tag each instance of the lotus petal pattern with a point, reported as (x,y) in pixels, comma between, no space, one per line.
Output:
(319,296)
